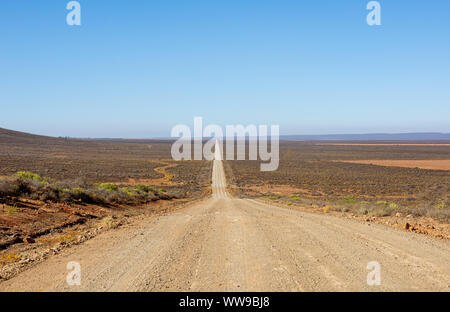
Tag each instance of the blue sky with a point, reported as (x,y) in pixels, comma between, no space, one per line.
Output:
(137,68)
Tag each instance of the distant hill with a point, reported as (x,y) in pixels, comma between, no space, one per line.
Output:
(420,136)
(17,137)
(11,136)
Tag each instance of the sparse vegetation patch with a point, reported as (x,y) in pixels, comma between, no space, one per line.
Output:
(33,186)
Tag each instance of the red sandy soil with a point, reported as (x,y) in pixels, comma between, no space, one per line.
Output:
(442,164)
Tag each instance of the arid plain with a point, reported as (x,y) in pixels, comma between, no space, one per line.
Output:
(62,198)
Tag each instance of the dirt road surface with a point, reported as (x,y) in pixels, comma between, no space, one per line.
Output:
(227,244)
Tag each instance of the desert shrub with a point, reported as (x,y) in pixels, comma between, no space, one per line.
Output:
(129,191)
(119,197)
(78,194)
(363,210)
(9,258)
(440,214)
(108,186)
(99,196)
(70,184)
(327,208)
(294,197)
(393,206)
(7,188)
(439,206)
(27,187)
(165,196)
(381,209)
(11,209)
(348,199)
(68,237)
(21,187)
(144,188)
(52,193)
(110,222)
(26,175)
(417,211)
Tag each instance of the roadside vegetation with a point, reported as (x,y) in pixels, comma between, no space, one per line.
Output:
(32,186)
(439,210)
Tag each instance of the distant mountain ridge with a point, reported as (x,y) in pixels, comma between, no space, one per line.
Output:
(417,136)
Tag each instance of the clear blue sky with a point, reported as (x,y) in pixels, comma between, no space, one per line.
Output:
(137,68)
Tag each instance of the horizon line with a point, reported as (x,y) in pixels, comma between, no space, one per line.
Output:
(327,136)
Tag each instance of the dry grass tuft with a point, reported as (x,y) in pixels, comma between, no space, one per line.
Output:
(9,258)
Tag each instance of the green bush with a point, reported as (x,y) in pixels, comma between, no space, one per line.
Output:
(144,188)
(108,186)
(78,194)
(26,175)
(393,206)
(127,190)
(349,199)
(441,205)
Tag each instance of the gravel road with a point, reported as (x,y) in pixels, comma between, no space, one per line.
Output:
(228,244)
